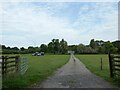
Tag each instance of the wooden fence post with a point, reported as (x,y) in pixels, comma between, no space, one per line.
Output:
(111,65)
(101,64)
(5,65)
(3,60)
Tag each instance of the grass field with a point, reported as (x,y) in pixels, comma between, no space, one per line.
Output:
(92,62)
(40,67)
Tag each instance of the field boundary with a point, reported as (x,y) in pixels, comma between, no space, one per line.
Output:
(114,61)
(13,65)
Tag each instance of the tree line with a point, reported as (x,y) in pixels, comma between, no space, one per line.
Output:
(61,47)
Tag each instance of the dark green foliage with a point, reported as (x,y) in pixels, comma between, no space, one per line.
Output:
(109,47)
(117,45)
(58,47)
(22,48)
(93,44)
(61,47)
(43,48)
(50,47)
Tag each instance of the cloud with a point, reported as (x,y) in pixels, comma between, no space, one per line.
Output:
(27,23)
(60,1)
(99,21)
(21,23)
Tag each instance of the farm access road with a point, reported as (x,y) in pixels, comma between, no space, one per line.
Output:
(74,75)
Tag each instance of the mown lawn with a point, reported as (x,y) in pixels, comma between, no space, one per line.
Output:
(40,67)
(92,62)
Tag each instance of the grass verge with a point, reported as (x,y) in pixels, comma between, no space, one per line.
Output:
(92,62)
(40,67)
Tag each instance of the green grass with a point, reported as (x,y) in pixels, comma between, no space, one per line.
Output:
(92,62)
(40,67)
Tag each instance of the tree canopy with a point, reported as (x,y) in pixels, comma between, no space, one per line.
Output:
(57,46)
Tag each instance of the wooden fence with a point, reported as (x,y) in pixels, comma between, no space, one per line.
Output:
(114,63)
(12,65)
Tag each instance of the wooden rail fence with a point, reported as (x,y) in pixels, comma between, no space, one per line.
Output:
(12,65)
(114,63)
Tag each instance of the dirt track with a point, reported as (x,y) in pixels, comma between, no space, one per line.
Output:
(74,75)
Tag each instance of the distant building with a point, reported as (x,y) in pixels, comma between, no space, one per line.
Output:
(71,52)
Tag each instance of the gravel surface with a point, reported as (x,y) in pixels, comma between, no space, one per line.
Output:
(74,75)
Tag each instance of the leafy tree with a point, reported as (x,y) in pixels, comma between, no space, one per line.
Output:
(109,48)
(89,50)
(31,49)
(8,48)
(3,47)
(22,48)
(43,48)
(63,46)
(93,44)
(99,42)
(117,45)
(50,48)
(56,46)
(15,48)
(37,49)
(73,48)
(81,48)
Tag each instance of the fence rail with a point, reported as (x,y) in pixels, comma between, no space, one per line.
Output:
(9,65)
(12,65)
(114,62)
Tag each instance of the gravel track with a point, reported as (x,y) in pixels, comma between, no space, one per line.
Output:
(74,75)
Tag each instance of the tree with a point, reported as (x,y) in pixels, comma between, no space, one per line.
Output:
(74,48)
(109,47)
(63,46)
(93,44)
(37,49)
(50,48)
(117,45)
(96,45)
(31,49)
(43,48)
(3,47)
(22,48)
(8,48)
(89,50)
(99,47)
(81,48)
(55,45)
(99,42)
(15,48)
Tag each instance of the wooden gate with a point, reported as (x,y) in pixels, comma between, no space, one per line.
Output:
(23,66)
(114,63)
(13,65)
(9,65)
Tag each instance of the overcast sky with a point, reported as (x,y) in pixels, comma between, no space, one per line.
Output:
(34,23)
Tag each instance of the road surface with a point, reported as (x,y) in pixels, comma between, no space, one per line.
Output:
(74,75)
